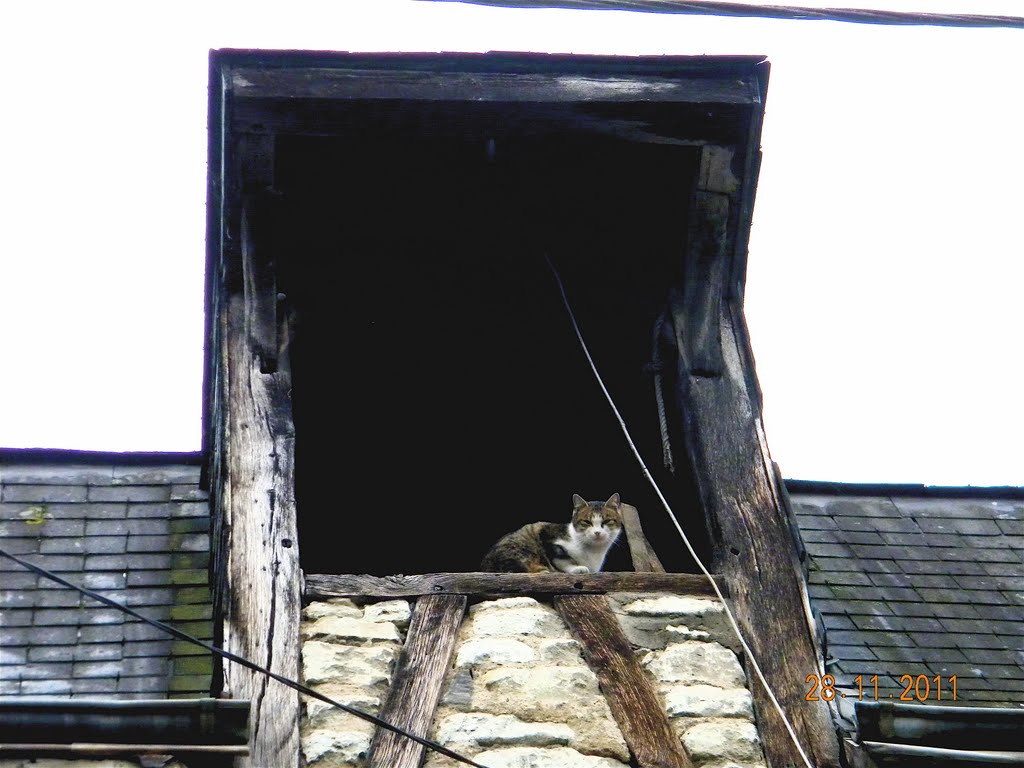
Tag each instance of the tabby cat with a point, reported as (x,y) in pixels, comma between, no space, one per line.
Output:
(579,546)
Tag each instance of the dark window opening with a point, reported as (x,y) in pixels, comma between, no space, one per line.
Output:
(440,396)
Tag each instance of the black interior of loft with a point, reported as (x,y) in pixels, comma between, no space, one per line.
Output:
(440,396)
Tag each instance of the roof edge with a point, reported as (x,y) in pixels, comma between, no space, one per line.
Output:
(74,456)
(829,488)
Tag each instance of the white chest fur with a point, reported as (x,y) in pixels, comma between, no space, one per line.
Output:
(587,548)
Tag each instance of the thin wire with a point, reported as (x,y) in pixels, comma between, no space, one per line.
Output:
(240,660)
(728,611)
(786,12)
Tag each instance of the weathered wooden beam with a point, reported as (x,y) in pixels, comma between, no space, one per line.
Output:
(419,675)
(754,549)
(101,749)
(261,603)
(260,281)
(375,82)
(631,697)
(640,549)
(696,314)
(504,584)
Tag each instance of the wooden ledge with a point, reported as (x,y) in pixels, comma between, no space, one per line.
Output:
(504,584)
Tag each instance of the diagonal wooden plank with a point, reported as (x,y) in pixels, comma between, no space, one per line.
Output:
(419,674)
(630,694)
(640,549)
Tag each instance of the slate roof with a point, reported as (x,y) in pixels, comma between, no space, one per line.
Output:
(921,584)
(136,530)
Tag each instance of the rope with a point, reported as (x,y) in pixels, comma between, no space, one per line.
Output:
(728,611)
(240,660)
(787,12)
(659,398)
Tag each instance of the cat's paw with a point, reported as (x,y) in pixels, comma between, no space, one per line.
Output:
(578,569)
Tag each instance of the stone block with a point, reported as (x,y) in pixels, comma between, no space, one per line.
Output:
(502,603)
(322,662)
(350,631)
(707,701)
(654,621)
(397,611)
(537,620)
(458,689)
(720,739)
(564,651)
(529,757)
(568,695)
(335,606)
(477,730)
(693,663)
(337,748)
(492,651)
(320,714)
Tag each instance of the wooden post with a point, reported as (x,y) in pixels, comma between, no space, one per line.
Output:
(631,697)
(419,676)
(261,595)
(754,549)
(640,549)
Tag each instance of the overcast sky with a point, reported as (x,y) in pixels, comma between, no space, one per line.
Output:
(886,261)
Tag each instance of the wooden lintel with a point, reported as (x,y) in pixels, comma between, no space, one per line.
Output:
(630,694)
(640,549)
(375,82)
(504,584)
(417,684)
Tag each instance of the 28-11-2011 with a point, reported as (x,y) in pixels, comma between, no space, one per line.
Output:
(919,688)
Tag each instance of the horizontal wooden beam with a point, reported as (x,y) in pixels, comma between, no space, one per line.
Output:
(375,83)
(90,748)
(505,584)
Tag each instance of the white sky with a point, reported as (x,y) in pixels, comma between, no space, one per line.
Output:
(885,273)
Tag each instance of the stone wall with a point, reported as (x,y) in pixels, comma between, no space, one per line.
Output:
(519,694)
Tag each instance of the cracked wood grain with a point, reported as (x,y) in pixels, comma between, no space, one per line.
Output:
(418,681)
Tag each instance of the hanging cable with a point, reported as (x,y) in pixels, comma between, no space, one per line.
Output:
(786,12)
(728,611)
(433,745)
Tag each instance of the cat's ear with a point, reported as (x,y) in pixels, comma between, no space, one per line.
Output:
(613,501)
(577,502)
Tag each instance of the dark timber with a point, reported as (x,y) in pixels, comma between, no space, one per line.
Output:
(417,684)
(631,697)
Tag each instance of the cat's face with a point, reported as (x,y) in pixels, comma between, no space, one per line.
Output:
(597,523)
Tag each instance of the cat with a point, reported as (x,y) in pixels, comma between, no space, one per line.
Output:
(579,546)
